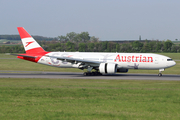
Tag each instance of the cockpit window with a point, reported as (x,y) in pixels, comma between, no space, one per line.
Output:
(169,59)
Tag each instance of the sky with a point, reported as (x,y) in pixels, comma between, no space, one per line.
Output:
(104,19)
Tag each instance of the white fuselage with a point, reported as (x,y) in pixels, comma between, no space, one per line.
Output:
(123,60)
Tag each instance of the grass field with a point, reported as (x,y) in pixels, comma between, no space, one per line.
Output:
(175,56)
(22,65)
(74,99)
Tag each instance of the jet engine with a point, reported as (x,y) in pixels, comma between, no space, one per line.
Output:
(107,68)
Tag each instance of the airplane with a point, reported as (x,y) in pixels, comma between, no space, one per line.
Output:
(96,63)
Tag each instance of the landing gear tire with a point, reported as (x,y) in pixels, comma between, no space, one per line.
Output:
(85,74)
(99,73)
(91,73)
(160,74)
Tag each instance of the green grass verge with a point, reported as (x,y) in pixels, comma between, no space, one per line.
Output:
(89,99)
(22,65)
(175,56)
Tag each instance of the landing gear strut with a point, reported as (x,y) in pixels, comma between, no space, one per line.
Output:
(160,72)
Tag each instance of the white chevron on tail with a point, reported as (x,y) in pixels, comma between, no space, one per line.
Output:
(29,43)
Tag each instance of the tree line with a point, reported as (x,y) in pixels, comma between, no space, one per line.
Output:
(82,42)
(107,46)
(17,37)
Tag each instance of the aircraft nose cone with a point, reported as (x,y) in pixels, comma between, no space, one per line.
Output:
(174,63)
(171,63)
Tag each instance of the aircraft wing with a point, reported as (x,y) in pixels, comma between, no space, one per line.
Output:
(75,60)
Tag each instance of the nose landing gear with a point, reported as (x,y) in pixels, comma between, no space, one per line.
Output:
(160,72)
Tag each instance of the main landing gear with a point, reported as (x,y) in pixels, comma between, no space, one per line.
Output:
(160,72)
(91,73)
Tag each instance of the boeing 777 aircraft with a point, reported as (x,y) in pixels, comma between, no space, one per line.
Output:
(101,62)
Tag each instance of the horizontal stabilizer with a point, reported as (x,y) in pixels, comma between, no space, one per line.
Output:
(25,56)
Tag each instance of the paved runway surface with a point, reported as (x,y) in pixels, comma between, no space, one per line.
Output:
(72,75)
